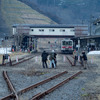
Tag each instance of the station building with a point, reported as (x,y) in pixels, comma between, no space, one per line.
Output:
(92,41)
(26,35)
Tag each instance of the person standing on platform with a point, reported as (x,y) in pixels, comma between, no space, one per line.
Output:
(81,59)
(55,60)
(44,59)
(84,57)
(52,60)
(75,54)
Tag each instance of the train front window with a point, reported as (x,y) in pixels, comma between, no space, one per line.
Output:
(70,42)
(64,42)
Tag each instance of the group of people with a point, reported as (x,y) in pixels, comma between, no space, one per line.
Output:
(83,58)
(49,57)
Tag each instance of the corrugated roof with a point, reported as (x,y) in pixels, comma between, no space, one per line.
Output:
(47,25)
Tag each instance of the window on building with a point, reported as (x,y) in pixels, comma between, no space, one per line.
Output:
(51,30)
(62,30)
(32,29)
(72,30)
(41,30)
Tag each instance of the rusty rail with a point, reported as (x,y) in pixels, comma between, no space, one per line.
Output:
(40,95)
(8,97)
(22,61)
(10,85)
(42,82)
(25,59)
(14,93)
(79,61)
(70,61)
(15,60)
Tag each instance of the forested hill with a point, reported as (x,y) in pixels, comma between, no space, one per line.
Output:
(46,12)
(16,12)
(67,11)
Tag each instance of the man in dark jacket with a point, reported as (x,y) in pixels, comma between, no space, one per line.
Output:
(84,59)
(44,59)
(55,54)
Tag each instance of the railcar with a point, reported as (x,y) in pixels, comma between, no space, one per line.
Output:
(67,46)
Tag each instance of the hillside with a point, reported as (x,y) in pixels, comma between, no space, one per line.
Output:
(16,12)
(67,11)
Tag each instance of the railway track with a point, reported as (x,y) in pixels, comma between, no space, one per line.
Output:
(79,61)
(10,85)
(20,60)
(15,95)
(41,95)
(71,61)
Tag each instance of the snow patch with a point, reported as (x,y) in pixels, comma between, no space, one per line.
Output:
(93,52)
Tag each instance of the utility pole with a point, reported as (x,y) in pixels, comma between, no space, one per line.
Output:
(91,21)
(90,27)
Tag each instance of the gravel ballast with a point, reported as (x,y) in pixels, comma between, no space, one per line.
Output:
(31,72)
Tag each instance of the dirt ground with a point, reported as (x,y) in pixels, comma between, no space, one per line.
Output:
(94,85)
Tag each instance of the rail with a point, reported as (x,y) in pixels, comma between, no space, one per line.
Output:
(40,95)
(42,82)
(10,85)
